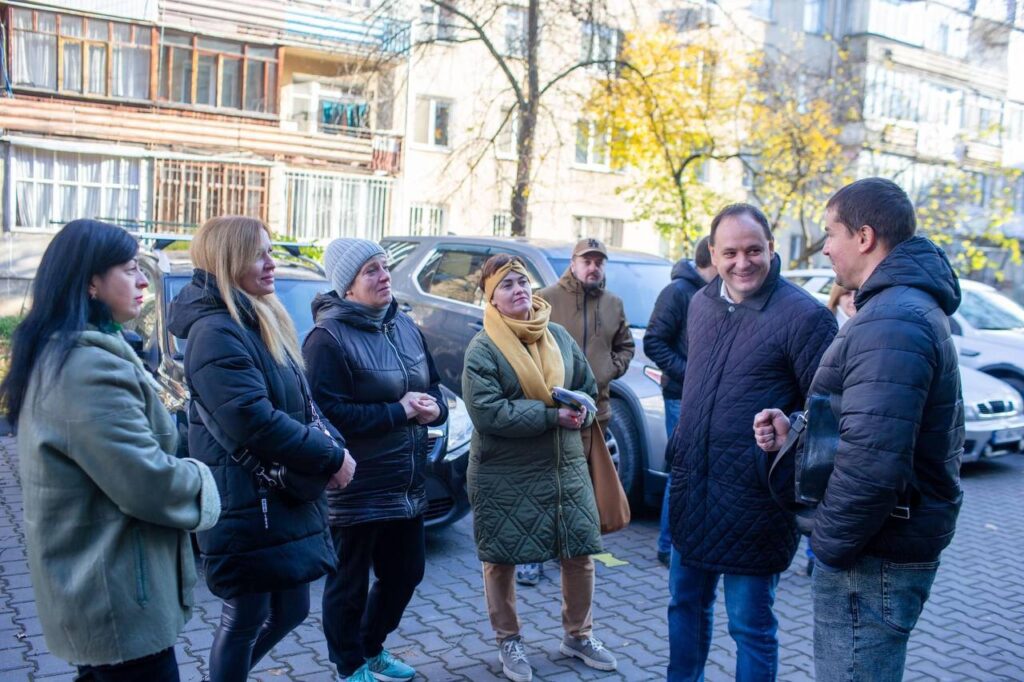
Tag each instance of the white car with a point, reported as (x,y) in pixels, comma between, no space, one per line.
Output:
(993,404)
(988,326)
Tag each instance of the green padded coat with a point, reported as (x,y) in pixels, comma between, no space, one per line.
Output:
(528,481)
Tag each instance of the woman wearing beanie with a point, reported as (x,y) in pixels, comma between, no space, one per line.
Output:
(243,368)
(370,371)
(528,479)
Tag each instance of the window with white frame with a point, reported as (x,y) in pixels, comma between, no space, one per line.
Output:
(322,206)
(501,224)
(432,122)
(891,94)
(946,30)
(600,43)
(762,9)
(515,31)
(985,117)
(814,16)
(509,132)
(52,188)
(427,219)
(941,106)
(591,143)
(436,23)
(608,230)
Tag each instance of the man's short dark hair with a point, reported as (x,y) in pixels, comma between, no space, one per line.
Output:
(738,210)
(878,203)
(702,254)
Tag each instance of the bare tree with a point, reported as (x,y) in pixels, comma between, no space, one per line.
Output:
(533,71)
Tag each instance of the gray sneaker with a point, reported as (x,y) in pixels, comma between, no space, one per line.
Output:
(590,651)
(529,574)
(512,657)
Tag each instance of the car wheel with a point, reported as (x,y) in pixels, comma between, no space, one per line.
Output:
(623,441)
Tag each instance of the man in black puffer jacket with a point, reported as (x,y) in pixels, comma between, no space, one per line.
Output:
(892,500)
(753,339)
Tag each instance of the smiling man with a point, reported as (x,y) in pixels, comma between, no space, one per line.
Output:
(754,339)
(892,500)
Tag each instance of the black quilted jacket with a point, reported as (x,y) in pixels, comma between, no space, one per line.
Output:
(901,425)
(665,338)
(743,358)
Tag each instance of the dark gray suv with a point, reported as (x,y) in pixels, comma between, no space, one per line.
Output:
(435,280)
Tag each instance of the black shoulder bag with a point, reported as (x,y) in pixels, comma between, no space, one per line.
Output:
(810,449)
(301,486)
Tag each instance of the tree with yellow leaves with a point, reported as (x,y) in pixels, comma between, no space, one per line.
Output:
(672,109)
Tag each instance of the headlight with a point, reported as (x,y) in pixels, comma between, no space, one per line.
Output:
(971,412)
(460,427)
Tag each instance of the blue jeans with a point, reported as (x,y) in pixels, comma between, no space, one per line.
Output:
(665,533)
(863,617)
(752,623)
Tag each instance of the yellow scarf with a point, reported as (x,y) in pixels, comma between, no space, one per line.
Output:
(527,344)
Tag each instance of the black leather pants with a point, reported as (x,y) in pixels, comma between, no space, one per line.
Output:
(250,626)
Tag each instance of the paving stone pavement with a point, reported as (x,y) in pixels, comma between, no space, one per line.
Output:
(972,627)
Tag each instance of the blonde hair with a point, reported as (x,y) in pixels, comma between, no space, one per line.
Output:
(837,293)
(226,247)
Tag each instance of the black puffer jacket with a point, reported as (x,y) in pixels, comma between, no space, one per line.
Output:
(665,338)
(744,357)
(894,368)
(263,407)
(359,368)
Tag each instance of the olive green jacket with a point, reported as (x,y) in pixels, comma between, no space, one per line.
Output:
(528,479)
(108,506)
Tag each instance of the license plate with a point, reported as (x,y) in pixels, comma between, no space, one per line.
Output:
(1004,436)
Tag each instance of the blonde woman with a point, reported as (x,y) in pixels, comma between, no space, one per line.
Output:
(244,371)
(528,480)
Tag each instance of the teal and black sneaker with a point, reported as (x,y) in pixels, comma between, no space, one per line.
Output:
(387,668)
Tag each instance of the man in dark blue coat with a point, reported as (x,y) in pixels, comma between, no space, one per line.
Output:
(665,344)
(891,503)
(754,339)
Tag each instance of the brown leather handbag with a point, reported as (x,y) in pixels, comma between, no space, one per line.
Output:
(612,505)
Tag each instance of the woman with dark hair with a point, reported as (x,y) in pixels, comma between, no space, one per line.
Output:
(528,480)
(111,562)
(373,375)
(244,372)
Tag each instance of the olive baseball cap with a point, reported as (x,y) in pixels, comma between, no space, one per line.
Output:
(589,245)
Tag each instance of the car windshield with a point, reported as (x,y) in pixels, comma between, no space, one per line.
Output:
(295,294)
(991,310)
(637,284)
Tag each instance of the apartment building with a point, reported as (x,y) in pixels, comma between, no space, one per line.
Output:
(159,115)
(460,161)
(939,88)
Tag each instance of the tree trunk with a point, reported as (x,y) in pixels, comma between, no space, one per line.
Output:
(527,125)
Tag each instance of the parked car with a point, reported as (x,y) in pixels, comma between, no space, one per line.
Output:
(298,280)
(988,326)
(993,405)
(435,279)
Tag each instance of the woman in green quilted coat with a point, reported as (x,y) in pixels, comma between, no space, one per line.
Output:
(528,479)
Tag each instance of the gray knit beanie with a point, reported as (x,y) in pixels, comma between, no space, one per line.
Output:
(344,257)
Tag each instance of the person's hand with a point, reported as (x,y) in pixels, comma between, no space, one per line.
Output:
(427,409)
(570,419)
(343,476)
(410,403)
(771,427)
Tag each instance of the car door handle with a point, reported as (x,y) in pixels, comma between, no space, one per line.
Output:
(477,324)
(968,353)
(405,307)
